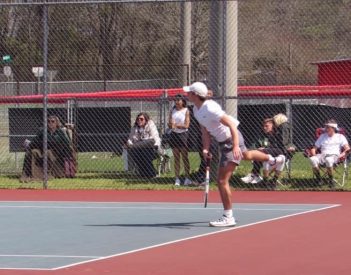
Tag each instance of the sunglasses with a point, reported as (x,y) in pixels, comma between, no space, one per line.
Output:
(141,118)
(51,121)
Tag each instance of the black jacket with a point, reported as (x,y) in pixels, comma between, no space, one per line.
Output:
(58,142)
(280,138)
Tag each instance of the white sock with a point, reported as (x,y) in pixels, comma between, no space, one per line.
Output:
(280,159)
(228,213)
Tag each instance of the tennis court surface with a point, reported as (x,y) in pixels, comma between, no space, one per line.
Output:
(155,232)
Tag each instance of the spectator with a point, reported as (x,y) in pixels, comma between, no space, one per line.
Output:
(282,132)
(275,142)
(267,145)
(333,147)
(178,122)
(59,150)
(143,143)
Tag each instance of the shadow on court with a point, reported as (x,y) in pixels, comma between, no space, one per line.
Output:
(175,225)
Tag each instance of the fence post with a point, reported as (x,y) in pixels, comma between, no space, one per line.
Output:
(185,29)
(45,94)
(230,56)
(215,48)
(165,111)
(290,119)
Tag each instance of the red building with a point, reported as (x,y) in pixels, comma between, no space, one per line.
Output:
(334,72)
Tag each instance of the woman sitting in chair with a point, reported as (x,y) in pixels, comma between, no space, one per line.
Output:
(143,144)
(59,149)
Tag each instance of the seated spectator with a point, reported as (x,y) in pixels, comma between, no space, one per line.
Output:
(275,142)
(282,131)
(329,148)
(178,122)
(59,150)
(142,145)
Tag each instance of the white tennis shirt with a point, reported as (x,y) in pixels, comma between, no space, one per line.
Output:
(209,116)
(331,145)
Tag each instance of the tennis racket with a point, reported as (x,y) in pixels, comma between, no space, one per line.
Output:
(207,180)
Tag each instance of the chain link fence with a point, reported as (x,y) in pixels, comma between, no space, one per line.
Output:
(97,66)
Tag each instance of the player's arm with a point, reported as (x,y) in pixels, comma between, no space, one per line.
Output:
(316,146)
(229,122)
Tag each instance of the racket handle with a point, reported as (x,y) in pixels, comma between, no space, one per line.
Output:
(207,183)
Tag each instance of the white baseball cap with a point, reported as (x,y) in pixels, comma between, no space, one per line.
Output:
(333,125)
(197,88)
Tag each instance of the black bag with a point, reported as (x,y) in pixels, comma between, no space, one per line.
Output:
(145,143)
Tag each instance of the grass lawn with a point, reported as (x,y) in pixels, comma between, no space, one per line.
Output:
(103,171)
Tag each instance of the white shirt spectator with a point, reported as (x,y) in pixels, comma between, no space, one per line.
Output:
(209,116)
(179,117)
(331,145)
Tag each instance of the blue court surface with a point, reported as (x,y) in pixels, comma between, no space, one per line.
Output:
(55,235)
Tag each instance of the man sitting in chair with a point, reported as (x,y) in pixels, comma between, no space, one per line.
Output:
(333,147)
(276,142)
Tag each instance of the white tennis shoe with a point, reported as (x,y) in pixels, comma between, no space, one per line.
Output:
(177,182)
(252,178)
(223,222)
(256,179)
(248,178)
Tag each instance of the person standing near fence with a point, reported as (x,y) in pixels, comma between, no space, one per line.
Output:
(223,128)
(178,122)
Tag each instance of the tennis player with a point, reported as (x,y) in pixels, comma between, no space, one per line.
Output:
(214,121)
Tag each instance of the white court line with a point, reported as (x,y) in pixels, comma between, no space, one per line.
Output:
(148,208)
(25,268)
(196,237)
(46,256)
(179,240)
(151,202)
